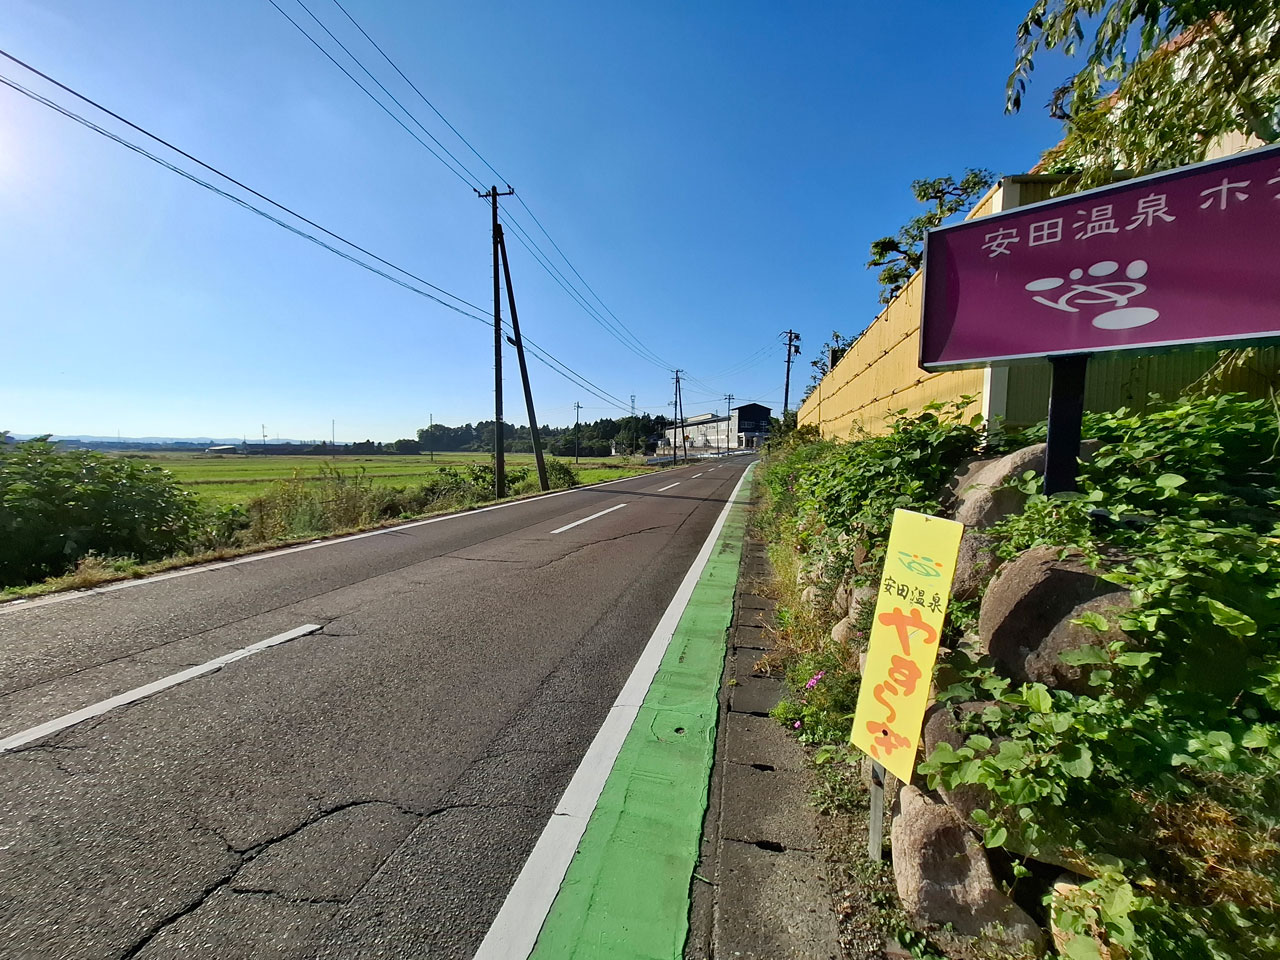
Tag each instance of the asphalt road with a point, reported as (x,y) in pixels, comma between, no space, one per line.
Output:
(369,790)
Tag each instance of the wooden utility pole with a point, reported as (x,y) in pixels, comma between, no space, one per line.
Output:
(577,408)
(499,454)
(518,343)
(793,349)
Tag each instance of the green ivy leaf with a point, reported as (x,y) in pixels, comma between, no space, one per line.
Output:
(1258,737)
(1010,754)
(1082,948)
(1037,698)
(1170,481)
(1094,621)
(1076,761)
(1235,622)
(995,836)
(1082,656)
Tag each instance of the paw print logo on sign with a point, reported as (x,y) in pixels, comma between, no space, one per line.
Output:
(1098,290)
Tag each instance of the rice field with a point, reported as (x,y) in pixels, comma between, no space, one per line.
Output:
(225,479)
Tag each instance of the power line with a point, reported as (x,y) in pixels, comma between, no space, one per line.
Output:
(545,356)
(623,334)
(456,133)
(196,160)
(369,93)
(13,84)
(421,95)
(540,257)
(658,359)
(356,61)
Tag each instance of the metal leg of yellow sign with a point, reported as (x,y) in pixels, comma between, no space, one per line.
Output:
(918,568)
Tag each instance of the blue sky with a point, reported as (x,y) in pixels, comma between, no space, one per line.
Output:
(715,171)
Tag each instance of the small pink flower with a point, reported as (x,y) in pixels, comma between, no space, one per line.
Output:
(813,681)
(796,724)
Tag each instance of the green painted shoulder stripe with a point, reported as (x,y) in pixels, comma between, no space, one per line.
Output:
(626,894)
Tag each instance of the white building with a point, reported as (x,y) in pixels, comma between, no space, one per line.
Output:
(746,428)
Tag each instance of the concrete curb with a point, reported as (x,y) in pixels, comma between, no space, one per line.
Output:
(766,892)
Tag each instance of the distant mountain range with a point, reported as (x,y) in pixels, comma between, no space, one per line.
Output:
(206,441)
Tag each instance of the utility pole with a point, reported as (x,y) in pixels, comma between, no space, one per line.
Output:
(264,436)
(674,427)
(635,428)
(675,413)
(728,419)
(333,435)
(577,407)
(793,349)
(499,454)
(684,442)
(518,343)
(431,440)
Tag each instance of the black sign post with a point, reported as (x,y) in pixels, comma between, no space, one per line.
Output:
(1066,413)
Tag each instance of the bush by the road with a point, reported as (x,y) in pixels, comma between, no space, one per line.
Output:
(1159,780)
(57,506)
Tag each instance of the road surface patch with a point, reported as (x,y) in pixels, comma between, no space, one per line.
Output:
(59,724)
(674,685)
(598,513)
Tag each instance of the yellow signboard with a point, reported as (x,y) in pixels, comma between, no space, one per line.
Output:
(919,565)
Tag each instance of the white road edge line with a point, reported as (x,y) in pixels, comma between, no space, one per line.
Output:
(283,551)
(601,513)
(669,486)
(137,693)
(515,929)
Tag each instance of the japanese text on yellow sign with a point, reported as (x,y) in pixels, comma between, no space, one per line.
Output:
(919,565)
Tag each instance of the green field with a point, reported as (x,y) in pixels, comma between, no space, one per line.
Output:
(222,479)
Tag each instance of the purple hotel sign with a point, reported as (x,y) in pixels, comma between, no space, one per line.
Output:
(1190,256)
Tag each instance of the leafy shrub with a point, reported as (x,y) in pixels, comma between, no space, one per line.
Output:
(560,475)
(57,506)
(1163,780)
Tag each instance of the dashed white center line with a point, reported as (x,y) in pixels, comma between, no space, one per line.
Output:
(137,693)
(570,526)
(695,476)
(669,486)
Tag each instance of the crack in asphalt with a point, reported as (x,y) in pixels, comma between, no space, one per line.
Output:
(595,543)
(48,751)
(246,855)
(287,898)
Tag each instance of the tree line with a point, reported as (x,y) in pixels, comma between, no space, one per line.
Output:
(593,439)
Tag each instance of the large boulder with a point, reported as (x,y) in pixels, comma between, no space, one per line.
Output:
(942,725)
(810,596)
(860,598)
(1025,619)
(963,479)
(984,500)
(943,876)
(840,600)
(843,634)
(975,564)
